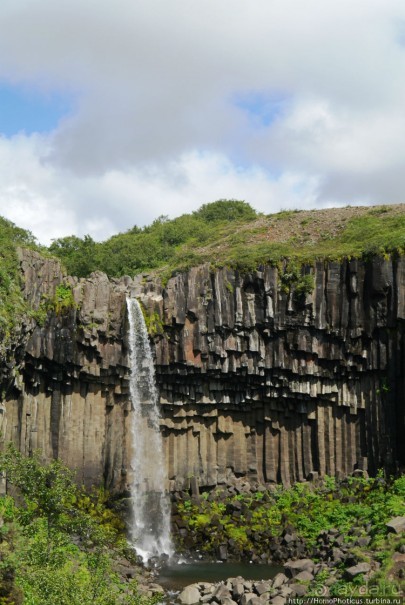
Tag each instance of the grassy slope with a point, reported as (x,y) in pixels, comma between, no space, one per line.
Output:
(304,236)
(243,240)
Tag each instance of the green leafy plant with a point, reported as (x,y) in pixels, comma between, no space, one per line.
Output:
(13,306)
(58,542)
(153,321)
(294,279)
(63,299)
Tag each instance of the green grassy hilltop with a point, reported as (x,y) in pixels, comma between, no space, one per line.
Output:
(225,232)
(231,232)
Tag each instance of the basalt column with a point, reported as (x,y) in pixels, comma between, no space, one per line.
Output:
(258,382)
(256,377)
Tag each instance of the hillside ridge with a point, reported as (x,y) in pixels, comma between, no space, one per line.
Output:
(231,233)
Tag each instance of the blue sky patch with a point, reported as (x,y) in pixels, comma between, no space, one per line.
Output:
(400,33)
(28,111)
(263,109)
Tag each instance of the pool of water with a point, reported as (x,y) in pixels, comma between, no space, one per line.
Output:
(179,575)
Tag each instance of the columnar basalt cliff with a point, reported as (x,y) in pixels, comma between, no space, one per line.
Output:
(255,379)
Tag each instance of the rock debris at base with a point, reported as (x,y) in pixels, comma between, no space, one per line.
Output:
(238,591)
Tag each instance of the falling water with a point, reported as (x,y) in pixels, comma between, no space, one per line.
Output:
(150,531)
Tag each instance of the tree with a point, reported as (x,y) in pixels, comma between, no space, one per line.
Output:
(226,210)
(62,550)
(48,490)
(78,255)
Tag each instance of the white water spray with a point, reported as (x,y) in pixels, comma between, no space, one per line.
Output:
(150,528)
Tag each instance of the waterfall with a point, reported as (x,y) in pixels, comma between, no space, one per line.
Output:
(150,527)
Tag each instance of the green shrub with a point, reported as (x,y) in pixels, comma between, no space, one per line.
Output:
(293,278)
(226,210)
(63,299)
(39,550)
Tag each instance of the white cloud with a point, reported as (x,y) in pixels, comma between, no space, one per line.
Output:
(156,128)
(53,203)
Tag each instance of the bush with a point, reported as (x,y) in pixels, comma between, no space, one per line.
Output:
(226,211)
(40,553)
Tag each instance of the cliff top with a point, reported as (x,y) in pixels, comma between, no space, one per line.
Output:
(231,232)
(226,232)
(307,235)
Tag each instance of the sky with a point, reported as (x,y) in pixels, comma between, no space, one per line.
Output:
(112,114)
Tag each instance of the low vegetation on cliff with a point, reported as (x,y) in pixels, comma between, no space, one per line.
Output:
(231,232)
(12,305)
(58,544)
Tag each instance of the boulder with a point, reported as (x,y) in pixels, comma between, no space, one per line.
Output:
(352,572)
(155,588)
(206,588)
(288,539)
(261,587)
(279,600)
(396,525)
(238,590)
(337,555)
(222,592)
(285,590)
(304,576)
(292,568)
(247,598)
(279,580)
(299,589)
(190,595)
(364,541)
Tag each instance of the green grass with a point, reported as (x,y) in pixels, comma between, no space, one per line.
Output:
(230,233)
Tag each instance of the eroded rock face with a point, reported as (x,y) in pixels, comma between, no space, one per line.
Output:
(254,381)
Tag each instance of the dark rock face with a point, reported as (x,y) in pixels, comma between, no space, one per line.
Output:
(69,395)
(255,381)
(258,383)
